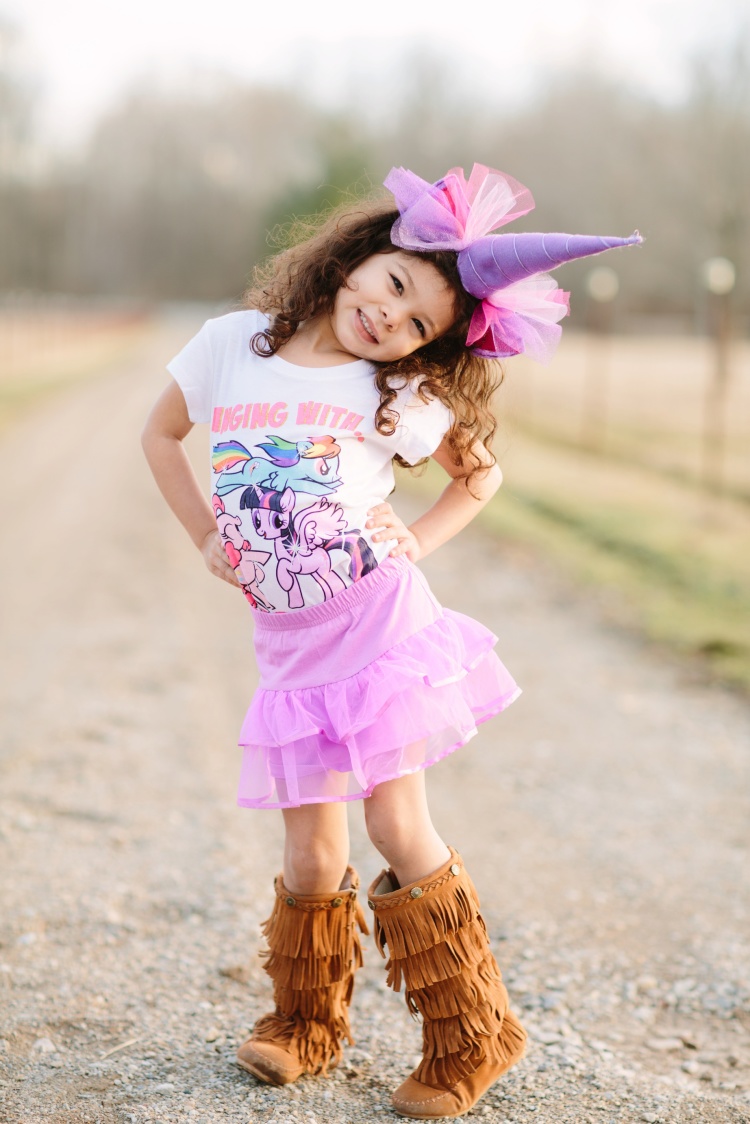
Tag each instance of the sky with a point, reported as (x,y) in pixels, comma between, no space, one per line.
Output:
(84,54)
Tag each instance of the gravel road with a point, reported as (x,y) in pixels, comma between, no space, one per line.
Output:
(604,819)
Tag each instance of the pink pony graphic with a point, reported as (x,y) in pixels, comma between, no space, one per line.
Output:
(246,562)
(303,543)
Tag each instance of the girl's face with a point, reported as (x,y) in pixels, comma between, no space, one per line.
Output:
(392,305)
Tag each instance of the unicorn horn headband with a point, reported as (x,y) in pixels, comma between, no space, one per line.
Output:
(520,304)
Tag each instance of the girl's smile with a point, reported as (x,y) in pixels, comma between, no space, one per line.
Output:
(365,328)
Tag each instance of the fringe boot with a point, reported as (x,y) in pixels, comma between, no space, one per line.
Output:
(313,952)
(438,946)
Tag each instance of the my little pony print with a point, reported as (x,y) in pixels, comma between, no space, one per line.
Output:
(279,479)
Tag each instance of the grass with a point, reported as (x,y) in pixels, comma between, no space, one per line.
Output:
(695,601)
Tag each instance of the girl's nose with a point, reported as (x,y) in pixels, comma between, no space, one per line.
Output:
(390,316)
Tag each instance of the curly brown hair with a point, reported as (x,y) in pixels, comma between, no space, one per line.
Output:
(302,282)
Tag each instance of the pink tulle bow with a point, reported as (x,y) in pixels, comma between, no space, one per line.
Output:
(520,319)
(453,213)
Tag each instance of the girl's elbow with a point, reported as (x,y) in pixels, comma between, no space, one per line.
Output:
(491,481)
(152,436)
(147,437)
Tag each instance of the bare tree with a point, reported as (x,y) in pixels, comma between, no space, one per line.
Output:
(716,143)
(178,188)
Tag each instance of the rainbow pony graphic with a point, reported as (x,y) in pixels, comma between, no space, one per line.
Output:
(305,466)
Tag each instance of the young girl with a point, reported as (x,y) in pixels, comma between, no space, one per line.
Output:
(367,343)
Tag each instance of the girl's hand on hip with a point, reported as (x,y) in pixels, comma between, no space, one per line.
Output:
(215,558)
(390,526)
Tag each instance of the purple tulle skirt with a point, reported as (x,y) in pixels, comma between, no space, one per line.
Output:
(375,683)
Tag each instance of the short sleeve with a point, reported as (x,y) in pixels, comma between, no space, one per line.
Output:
(422,427)
(192,370)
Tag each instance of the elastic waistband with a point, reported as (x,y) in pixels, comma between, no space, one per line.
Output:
(379,581)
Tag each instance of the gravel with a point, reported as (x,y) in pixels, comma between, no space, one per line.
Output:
(604,819)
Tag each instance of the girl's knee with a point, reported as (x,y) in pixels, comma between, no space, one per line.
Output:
(388,828)
(399,825)
(315,866)
(316,849)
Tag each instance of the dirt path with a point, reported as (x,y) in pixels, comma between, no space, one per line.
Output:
(604,819)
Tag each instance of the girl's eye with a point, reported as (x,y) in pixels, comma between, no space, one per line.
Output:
(397,284)
(323,468)
(420,327)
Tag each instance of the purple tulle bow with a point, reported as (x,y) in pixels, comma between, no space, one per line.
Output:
(520,305)
(453,213)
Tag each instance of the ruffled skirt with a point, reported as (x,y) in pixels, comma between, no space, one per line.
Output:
(377,682)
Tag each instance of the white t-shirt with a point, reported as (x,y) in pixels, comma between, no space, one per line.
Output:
(296,460)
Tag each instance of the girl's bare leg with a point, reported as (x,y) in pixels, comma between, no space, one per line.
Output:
(399,825)
(316,848)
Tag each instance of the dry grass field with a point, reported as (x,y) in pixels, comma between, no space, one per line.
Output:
(638,399)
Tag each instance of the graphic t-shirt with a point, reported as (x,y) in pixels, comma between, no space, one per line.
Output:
(296,461)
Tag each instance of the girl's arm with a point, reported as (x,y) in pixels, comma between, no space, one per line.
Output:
(166,428)
(453,511)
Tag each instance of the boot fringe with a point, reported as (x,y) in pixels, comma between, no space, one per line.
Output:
(361,920)
(460,993)
(319,1003)
(307,971)
(458,1034)
(319,929)
(445,1072)
(316,1043)
(315,932)
(409,930)
(464,948)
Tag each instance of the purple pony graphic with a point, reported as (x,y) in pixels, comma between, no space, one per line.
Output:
(303,543)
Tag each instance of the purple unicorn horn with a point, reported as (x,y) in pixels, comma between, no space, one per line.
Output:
(499,260)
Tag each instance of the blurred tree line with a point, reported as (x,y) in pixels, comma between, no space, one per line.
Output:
(174,194)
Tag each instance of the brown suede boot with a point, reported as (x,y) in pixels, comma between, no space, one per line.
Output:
(438,945)
(313,953)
